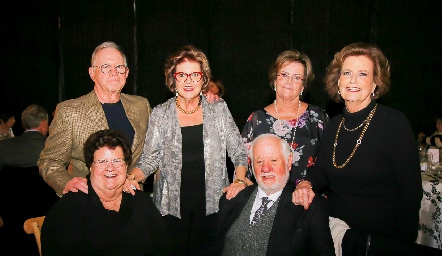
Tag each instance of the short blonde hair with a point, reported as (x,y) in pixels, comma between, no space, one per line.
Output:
(287,57)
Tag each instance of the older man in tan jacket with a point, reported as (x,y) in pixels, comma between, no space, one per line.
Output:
(103,108)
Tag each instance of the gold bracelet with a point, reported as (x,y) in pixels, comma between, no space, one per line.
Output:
(240,181)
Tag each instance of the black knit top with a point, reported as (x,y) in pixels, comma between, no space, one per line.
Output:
(380,189)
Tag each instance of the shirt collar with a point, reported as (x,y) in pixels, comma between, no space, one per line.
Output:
(272,197)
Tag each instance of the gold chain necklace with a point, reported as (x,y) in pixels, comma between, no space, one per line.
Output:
(187,112)
(354,129)
(282,123)
(358,142)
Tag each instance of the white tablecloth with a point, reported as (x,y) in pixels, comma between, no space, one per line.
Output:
(430,221)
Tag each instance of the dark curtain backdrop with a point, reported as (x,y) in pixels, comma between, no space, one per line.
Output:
(46,47)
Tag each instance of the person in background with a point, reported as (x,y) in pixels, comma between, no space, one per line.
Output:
(300,124)
(186,146)
(216,87)
(281,228)
(24,150)
(435,140)
(105,221)
(105,107)
(33,197)
(368,164)
(7,120)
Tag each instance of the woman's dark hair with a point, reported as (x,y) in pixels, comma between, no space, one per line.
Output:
(5,114)
(106,138)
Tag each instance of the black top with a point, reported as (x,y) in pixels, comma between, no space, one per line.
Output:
(78,224)
(380,189)
(193,145)
(193,185)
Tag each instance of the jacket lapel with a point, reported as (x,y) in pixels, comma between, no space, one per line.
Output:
(95,113)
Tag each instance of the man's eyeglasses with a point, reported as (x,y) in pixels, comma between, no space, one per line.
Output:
(297,79)
(194,76)
(103,163)
(106,68)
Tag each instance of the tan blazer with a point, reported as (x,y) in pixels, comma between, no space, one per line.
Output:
(74,121)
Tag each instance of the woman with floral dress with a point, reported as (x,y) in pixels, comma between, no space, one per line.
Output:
(298,123)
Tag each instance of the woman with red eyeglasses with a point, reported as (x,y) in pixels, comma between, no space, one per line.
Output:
(186,145)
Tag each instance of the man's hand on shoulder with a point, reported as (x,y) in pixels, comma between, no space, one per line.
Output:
(76,184)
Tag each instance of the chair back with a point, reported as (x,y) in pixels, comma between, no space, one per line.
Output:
(33,226)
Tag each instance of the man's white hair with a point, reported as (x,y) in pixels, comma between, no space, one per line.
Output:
(285,148)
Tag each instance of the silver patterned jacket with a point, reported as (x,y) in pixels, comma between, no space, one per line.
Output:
(163,152)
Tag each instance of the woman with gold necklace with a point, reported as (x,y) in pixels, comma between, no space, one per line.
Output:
(186,146)
(368,163)
(300,124)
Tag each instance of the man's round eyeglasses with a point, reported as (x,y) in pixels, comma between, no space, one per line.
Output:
(297,79)
(103,163)
(106,68)
(194,76)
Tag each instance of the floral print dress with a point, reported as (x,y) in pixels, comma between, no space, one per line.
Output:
(305,143)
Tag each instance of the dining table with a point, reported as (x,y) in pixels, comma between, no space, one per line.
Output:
(430,219)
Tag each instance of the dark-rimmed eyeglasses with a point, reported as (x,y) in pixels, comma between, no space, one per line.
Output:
(106,68)
(103,163)
(194,76)
(297,79)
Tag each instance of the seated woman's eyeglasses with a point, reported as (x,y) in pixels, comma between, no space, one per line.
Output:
(194,76)
(286,77)
(106,68)
(103,163)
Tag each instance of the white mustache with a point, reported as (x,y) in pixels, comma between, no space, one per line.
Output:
(267,174)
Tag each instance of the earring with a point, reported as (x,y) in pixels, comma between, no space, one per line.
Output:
(176,93)
(339,92)
(274,88)
(300,94)
(201,93)
(372,95)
